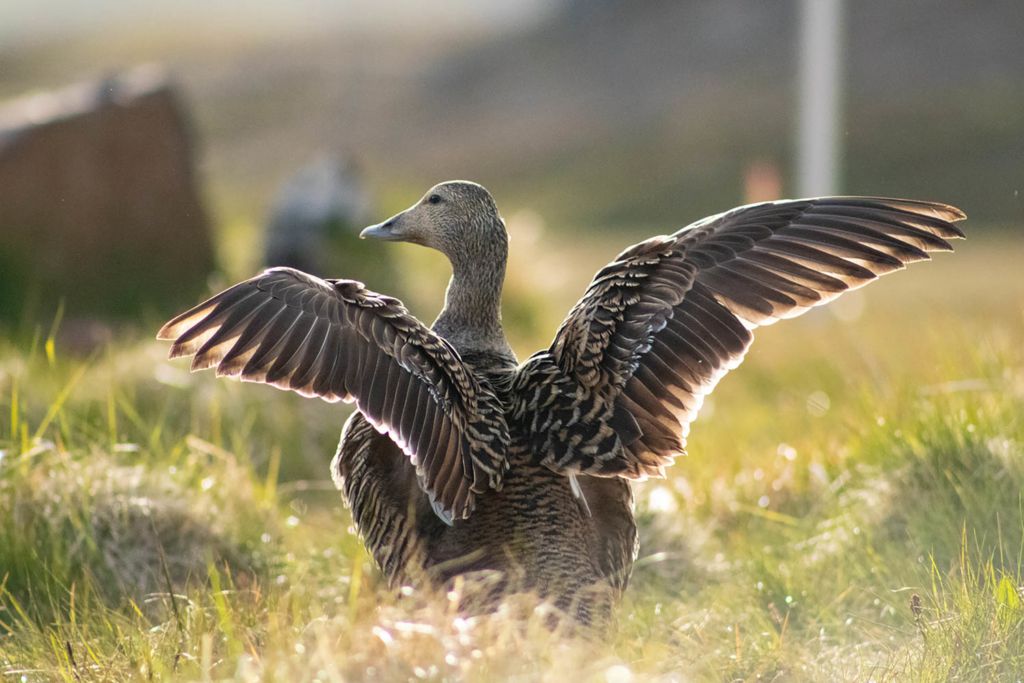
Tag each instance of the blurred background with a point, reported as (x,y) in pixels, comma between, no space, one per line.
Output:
(147,147)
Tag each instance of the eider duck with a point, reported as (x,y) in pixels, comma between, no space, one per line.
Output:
(461,459)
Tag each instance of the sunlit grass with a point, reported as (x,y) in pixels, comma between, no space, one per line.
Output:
(851,510)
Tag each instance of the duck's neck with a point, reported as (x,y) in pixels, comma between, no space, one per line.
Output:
(471,317)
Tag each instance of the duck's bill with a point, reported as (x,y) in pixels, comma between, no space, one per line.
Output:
(381,231)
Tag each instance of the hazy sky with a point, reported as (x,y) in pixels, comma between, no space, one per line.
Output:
(32,20)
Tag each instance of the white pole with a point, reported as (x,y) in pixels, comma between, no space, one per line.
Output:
(818,122)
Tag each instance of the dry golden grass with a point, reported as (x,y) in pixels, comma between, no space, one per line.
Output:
(851,510)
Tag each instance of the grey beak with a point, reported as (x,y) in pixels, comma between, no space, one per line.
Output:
(381,231)
(377,232)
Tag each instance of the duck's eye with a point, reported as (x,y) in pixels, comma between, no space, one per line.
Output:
(434,199)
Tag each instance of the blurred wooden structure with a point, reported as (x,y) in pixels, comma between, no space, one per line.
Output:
(99,201)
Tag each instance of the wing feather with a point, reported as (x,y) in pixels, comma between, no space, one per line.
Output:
(339,341)
(662,324)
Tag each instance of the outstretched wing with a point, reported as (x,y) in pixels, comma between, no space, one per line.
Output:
(339,341)
(659,327)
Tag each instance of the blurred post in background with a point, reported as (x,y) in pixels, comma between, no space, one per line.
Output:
(818,152)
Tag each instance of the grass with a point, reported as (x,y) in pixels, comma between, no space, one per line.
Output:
(851,510)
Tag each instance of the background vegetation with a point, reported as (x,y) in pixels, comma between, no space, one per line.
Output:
(851,510)
(852,506)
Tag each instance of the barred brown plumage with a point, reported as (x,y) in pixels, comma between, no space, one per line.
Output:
(458,459)
(336,340)
(661,325)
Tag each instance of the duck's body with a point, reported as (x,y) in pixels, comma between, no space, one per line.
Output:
(533,532)
(462,462)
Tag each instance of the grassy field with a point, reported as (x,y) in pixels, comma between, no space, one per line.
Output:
(851,510)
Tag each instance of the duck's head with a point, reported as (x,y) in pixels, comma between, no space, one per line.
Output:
(458,218)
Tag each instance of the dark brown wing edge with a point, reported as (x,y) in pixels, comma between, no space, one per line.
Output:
(336,340)
(661,325)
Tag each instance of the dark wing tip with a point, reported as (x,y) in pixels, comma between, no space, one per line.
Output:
(957,230)
(950,215)
(448,508)
(956,213)
(940,217)
(174,327)
(949,212)
(444,514)
(940,210)
(165,332)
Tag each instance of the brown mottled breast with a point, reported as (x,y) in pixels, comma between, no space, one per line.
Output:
(533,531)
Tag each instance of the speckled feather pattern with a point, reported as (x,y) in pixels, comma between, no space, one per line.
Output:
(336,340)
(663,323)
(459,461)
